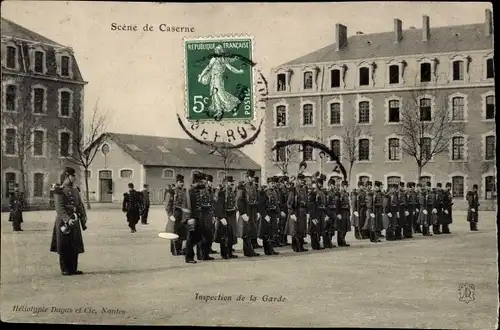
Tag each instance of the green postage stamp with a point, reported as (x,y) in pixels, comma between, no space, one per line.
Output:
(219,78)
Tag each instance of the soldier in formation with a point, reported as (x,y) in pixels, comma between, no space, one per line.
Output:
(145,204)
(131,206)
(16,204)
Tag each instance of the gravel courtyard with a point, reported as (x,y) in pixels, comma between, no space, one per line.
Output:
(133,279)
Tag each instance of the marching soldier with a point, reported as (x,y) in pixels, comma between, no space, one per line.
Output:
(344,221)
(225,213)
(145,203)
(447,203)
(332,210)
(297,214)
(412,209)
(71,219)
(270,213)
(374,210)
(473,211)
(177,212)
(205,211)
(131,205)
(16,203)
(247,199)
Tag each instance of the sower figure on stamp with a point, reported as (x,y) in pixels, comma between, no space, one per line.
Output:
(132,206)
(16,203)
(473,210)
(446,215)
(225,213)
(297,214)
(332,210)
(248,215)
(344,221)
(206,218)
(177,212)
(145,203)
(269,210)
(71,219)
(210,186)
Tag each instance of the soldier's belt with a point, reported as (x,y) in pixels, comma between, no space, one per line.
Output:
(229,210)
(206,206)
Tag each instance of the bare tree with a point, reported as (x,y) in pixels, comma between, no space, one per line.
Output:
(284,157)
(426,130)
(23,121)
(352,133)
(228,155)
(87,140)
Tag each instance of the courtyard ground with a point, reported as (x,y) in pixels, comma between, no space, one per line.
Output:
(411,283)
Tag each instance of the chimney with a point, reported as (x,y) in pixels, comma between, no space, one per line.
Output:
(488,26)
(426,30)
(340,36)
(398,30)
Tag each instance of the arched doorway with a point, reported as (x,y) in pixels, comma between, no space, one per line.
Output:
(105,186)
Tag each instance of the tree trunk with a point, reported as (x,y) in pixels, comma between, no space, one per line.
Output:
(87,193)
(349,173)
(22,179)
(419,173)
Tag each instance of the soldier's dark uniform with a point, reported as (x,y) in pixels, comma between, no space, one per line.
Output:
(473,209)
(317,208)
(177,213)
(417,227)
(392,213)
(210,180)
(344,223)
(145,203)
(67,239)
(247,206)
(404,229)
(446,215)
(206,213)
(427,205)
(131,205)
(16,204)
(411,206)
(255,243)
(374,210)
(297,214)
(434,199)
(225,208)
(332,210)
(438,205)
(270,213)
(283,195)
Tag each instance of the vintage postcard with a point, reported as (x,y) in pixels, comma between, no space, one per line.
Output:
(249,164)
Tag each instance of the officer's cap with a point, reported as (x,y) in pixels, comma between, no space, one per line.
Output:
(448,184)
(439,184)
(369,183)
(378,184)
(402,184)
(256,179)
(179,177)
(229,179)
(331,181)
(209,178)
(131,185)
(345,183)
(69,171)
(285,178)
(301,176)
(361,184)
(474,186)
(251,173)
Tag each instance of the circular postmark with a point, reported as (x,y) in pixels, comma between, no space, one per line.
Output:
(224,91)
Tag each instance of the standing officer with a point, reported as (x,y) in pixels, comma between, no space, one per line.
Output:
(402,229)
(418,210)
(283,193)
(177,213)
(427,205)
(206,218)
(225,212)
(132,206)
(316,209)
(473,211)
(412,206)
(255,243)
(332,210)
(16,203)
(247,199)
(355,212)
(374,210)
(210,187)
(433,195)
(297,213)
(195,225)
(344,221)
(67,238)
(446,215)
(145,203)
(392,212)
(270,213)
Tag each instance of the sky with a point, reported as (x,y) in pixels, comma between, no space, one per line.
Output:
(138,77)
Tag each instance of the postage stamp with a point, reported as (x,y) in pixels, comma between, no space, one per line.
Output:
(219,78)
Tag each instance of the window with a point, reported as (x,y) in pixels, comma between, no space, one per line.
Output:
(163,149)
(490,151)
(364,179)
(10,180)
(458,147)
(425,110)
(394,74)
(88,174)
(133,147)
(221,175)
(308,80)
(364,112)
(10,97)
(335,114)
(11,57)
(490,187)
(425,148)
(490,107)
(307,115)
(457,186)
(281,154)
(39,100)
(364,76)
(105,149)
(38,179)
(490,68)
(458,108)
(190,151)
(393,145)
(39,63)
(364,150)
(281,116)
(424,180)
(458,70)
(394,111)
(425,72)
(335,78)
(65,60)
(335,147)
(10,141)
(281,82)
(391,180)
(125,174)
(307,153)
(65,99)
(38,142)
(64,144)
(167,173)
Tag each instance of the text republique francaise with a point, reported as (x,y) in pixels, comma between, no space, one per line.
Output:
(163,27)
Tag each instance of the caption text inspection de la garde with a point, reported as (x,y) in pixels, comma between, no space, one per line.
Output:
(163,27)
(240,298)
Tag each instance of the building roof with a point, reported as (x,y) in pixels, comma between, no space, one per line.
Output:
(12,29)
(364,46)
(150,151)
